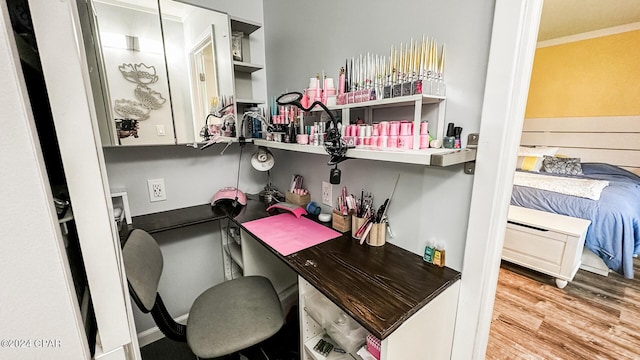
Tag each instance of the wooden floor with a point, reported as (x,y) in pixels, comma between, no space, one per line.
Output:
(593,317)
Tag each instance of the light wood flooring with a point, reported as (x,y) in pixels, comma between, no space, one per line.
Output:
(593,317)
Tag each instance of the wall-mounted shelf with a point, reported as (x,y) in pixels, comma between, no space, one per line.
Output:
(391,102)
(432,157)
(246,26)
(245,67)
(249,101)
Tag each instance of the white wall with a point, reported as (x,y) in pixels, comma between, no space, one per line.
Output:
(430,203)
(37,297)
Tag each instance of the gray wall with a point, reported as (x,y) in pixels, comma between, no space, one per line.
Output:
(305,37)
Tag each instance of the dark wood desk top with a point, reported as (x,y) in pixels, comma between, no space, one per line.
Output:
(380,287)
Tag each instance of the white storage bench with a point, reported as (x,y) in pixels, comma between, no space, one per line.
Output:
(549,243)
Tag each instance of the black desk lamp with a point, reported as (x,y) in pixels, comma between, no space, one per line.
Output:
(335,146)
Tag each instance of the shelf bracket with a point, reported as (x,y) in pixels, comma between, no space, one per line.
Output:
(472,143)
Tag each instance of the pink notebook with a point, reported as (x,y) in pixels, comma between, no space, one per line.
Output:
(287,234)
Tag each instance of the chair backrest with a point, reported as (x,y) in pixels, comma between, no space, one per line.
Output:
(143,265)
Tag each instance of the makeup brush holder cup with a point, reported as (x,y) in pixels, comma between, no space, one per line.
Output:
(377,235)
(300,200)
(341,222)
(356,222)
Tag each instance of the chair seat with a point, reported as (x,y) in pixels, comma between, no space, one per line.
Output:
(232,316)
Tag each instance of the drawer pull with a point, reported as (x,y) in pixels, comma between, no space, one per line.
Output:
(527,226)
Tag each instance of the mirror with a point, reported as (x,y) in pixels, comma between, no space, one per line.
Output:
(158,66)
(199,63)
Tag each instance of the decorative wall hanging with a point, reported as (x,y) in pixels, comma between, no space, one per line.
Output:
(147,99)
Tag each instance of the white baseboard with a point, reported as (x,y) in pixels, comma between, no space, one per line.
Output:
(154,334)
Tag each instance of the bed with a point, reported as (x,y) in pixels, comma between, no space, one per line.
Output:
(608,148)
(614,233)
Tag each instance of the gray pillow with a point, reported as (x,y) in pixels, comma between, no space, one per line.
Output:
(564,166)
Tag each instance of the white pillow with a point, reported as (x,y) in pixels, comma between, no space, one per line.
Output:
(537,151)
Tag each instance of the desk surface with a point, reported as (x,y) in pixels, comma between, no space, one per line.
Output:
(380,287)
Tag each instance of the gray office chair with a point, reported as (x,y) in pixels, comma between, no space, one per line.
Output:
(223,320)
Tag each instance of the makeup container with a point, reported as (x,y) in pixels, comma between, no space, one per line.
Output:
(340,221)
(384,128)
(449,141)
(424,128)
(405,128)
(392,141)
(356,222)
(382,141)
(405,142)
(394,128)
(435,143)
(457,131)
(302,139)
(396,90)
(424,141)
(377,234)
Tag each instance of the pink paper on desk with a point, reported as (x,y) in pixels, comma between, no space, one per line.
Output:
(287,234)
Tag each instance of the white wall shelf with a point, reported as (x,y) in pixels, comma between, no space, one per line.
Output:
(391,102)
(440,157)
(420,157)
(249,101)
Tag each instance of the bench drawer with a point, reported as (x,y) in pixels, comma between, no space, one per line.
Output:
(544,250)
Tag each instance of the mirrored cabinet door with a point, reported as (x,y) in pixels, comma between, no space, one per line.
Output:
(199,63)
(135,74)
(158,68)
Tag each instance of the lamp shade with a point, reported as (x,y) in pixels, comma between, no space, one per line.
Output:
(262,159)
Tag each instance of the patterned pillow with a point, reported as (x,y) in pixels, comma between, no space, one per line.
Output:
(564,166)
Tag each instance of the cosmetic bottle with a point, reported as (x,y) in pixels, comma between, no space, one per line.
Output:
(449,140)
(386,90)
(438,254)
(428,252)
(457,131)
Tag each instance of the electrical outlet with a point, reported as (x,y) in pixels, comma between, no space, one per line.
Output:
(327,196)
(156,190)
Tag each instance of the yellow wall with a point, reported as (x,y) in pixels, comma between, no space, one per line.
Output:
(594,77)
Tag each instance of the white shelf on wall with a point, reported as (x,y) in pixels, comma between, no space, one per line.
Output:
(249,101)
(434,157)
(391,102)
(245,67)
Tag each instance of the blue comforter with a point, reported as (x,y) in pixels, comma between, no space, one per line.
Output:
(614,233)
